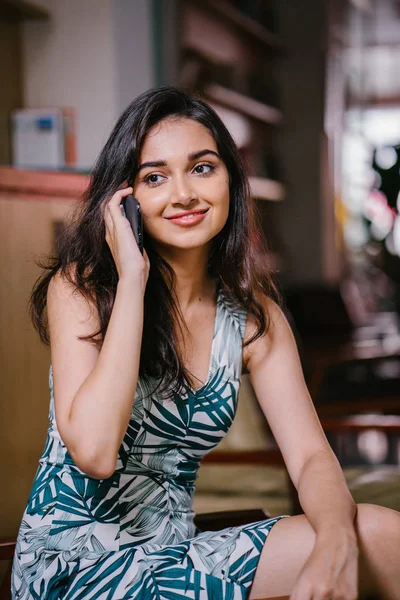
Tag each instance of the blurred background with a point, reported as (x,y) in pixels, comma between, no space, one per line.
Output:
(311,93)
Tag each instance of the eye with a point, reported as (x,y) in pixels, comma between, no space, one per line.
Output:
(203,168)
(153,179)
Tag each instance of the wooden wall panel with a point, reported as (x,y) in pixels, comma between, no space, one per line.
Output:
(26,231)
(11,83)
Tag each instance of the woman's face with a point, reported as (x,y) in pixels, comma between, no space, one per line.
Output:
(182,185)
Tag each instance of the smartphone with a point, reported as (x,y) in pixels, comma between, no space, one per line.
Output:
(130,208)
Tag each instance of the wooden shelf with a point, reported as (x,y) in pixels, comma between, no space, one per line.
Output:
(19,10)
(243,104)
(48,184)
(375,102)
(242,22)
(266,189)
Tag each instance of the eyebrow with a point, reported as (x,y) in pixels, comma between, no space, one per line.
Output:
(191,157)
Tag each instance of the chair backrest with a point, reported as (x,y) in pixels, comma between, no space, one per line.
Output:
(318,310)
(7,549)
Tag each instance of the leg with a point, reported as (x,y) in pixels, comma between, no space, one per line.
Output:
(378,531)
(290,542)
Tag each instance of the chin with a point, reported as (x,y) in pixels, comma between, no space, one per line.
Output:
(186,242)
(188,239)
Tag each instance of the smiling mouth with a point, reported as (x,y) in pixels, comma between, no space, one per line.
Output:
(188,216)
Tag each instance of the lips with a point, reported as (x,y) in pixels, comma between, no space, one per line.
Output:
(189,218)
(187,214)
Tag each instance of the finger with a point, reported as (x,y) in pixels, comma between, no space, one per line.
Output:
(108,220)
(113,213)
(119,195)
(112,204)
(115,205)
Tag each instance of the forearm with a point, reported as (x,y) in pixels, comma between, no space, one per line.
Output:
(101,408)
(324,495)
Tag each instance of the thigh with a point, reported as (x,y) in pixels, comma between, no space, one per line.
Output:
(286,550)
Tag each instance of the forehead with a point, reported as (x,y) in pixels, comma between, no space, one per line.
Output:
(176,137)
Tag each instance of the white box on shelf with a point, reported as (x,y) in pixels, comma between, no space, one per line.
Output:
(43,138)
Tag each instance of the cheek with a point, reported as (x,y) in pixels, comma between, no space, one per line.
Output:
(150,225)
(224,202)
(221,214)
(150,211)
(147,216)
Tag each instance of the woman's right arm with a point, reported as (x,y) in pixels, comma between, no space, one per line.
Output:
(94,389)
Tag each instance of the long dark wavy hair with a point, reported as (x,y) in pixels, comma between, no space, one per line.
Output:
(238,260)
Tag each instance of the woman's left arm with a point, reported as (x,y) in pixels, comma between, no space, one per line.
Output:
(275,372)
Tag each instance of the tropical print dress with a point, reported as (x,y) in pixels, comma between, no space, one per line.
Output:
(132,536)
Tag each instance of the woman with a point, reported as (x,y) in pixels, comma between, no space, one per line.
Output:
(147,353)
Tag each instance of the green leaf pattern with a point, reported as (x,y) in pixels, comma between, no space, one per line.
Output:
(132,536)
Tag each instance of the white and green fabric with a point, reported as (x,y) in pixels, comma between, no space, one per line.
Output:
(132,536)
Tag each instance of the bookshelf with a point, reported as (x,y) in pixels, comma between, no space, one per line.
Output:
(243,104)
(15,11)
(266,189)
(244,25)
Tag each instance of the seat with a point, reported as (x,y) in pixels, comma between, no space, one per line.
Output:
(7,548)
(388,424)
(351,362)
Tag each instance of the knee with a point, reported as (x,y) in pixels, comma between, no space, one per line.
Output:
(377,523)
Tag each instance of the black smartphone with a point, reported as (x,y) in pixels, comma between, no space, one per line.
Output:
(131,210)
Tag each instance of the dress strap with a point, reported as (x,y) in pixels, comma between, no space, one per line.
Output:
(238,315)
(242,315)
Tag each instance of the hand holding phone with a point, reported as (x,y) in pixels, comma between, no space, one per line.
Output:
(131,210)
(123,245)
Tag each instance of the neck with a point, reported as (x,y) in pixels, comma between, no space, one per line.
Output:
(192,282)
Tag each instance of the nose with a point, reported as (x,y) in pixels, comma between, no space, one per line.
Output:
(184,192)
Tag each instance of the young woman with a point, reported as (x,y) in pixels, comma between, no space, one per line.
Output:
(147,353)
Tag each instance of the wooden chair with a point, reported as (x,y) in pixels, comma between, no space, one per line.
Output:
(330,369)
(7,548)
(334,345)
(342,424)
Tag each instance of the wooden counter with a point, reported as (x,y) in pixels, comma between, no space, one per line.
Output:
(32,204)
(44,183)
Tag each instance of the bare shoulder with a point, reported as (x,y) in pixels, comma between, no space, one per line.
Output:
(71,316)
(278,334)
(65,301)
